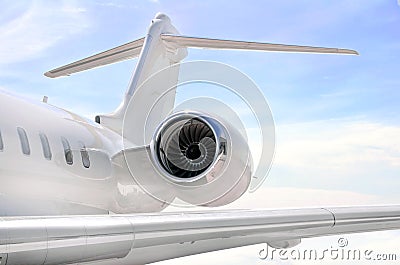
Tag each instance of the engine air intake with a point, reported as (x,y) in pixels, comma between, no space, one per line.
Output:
(186,146)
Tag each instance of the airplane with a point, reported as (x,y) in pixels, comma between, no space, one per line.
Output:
(69,195)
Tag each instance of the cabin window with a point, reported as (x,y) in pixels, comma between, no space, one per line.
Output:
(45,146)
(1,143)
(67,151)
(23,138)
(85,156)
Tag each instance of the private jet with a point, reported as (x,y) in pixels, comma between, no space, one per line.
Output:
(93,192)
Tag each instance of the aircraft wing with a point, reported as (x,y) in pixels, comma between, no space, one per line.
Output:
(145,238)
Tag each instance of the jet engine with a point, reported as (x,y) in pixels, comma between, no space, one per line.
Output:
(195,149)
(206,160)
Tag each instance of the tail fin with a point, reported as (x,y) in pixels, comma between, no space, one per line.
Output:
(154,55)
(162,47)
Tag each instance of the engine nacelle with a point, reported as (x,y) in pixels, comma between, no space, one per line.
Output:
(206,159)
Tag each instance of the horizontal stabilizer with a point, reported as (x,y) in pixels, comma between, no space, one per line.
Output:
(133,49)
(127,51)
(247,45)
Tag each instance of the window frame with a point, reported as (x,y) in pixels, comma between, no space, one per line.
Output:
(24,141)
(68,155)
(45,146)
(85,156)
(1,143)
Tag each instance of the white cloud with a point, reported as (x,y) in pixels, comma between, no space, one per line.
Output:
(334,154)
(110,4)
(42,24)
(337,144)
(287,197)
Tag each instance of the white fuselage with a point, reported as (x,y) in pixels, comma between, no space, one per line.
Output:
(42,182)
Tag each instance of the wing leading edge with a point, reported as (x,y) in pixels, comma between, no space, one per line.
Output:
(140,239)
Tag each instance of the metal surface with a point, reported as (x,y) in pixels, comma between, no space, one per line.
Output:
(127,239)
(124,52)
(208,43)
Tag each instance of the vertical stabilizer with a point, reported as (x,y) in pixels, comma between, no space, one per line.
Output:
(155,55)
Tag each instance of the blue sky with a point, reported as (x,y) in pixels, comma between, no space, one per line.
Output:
(337,117)
(320,86)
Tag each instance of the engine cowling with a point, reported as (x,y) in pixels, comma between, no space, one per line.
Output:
(206,160)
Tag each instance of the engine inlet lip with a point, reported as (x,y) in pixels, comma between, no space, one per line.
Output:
(166,124)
